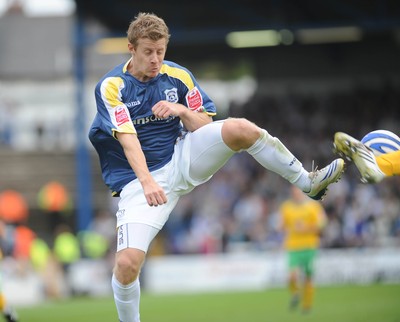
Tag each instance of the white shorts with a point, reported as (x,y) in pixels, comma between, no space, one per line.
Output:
(197,156)
(137,236)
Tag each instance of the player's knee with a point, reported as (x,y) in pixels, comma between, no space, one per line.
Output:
(126,269)
(240,133)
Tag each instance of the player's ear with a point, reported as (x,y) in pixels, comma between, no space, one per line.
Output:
(131,48)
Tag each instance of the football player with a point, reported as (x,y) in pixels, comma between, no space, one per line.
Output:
(302,221)
(157,141)
(373,166)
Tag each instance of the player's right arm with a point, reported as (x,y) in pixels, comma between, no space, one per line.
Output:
(153,192)
(117,121)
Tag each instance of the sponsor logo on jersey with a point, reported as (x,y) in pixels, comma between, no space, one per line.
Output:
(152,118)
(195,100)
(131,104)
(121,115)
(171,95)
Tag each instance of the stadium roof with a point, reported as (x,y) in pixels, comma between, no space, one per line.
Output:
(208,21)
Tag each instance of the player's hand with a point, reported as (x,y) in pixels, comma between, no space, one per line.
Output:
(154,193)
(165,109)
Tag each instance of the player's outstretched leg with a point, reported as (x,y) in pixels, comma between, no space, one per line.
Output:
(362,156)
(272,154)
(321,179)
(218,141)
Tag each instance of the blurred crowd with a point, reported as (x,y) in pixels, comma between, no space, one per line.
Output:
(52,252)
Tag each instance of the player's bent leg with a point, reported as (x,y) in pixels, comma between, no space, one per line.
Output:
(240,134)
(361,155)
(214,144)
(205,152)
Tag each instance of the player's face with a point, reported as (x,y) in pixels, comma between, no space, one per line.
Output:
(147,58)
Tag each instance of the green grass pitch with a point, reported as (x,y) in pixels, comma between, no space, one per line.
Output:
(372,303)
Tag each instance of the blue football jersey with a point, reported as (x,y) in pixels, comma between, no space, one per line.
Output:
(124,105)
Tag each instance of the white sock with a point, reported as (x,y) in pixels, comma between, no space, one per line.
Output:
(270,152)
(304,181)
(127,298)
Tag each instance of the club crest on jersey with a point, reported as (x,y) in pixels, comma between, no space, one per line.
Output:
(194,100)
(171,95)
(121,115)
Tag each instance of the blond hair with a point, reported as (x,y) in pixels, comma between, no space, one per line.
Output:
(147,25)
